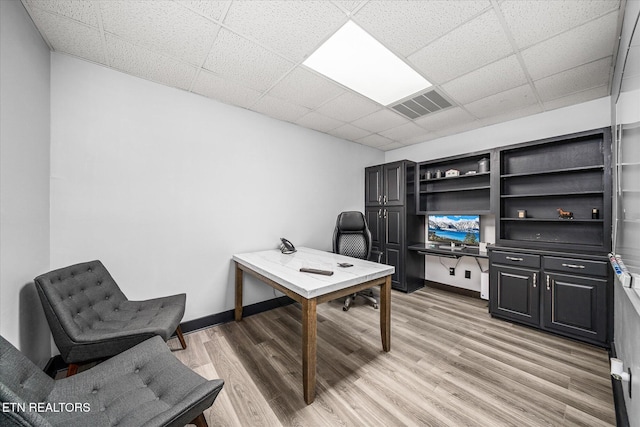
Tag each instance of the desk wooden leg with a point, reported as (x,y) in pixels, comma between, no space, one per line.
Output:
(238,311)
(385,314)
(309,338)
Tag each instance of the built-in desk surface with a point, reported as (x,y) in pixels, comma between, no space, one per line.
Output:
(445,250)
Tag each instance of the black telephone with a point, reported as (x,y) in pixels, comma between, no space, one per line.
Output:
(286,247)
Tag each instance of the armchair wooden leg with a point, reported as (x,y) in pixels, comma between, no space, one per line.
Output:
(200,421)
(72,369)
(181,338)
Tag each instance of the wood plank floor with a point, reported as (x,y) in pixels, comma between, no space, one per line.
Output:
(450,364)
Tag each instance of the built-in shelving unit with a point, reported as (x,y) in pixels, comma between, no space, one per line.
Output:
(536,179)
(467,193)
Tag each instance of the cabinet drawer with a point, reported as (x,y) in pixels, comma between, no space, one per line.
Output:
(576,266)
(513,258)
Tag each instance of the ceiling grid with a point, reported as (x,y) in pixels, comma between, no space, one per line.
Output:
(493,60)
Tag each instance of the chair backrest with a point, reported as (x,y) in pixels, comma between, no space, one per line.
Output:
(21,383)
(351,236)
(73,298)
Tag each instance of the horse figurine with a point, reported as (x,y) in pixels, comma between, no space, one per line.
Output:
(565,214)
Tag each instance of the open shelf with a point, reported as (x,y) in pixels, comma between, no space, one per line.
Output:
(467,193)
(571,173)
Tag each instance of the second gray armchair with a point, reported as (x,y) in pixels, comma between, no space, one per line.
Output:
(91,319)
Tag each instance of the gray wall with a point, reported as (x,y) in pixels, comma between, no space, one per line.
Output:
(24,179)
(625,109)
(164,186)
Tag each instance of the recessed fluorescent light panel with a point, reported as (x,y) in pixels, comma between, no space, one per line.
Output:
(356,60)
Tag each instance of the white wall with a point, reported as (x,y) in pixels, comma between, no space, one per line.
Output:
(164,186)
(24,179)
(580,117)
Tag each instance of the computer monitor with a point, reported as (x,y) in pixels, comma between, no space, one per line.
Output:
(459,229)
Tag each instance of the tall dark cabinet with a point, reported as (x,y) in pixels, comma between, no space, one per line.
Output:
(391,214)
(549,267)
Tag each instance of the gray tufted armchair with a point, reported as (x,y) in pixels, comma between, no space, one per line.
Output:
(91,319)
(143,386)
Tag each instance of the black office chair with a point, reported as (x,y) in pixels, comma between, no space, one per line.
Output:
(352,237)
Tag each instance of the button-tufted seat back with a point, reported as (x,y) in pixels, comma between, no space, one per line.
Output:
(144,386)
(90,317)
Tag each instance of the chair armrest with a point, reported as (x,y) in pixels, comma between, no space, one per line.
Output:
(376,256)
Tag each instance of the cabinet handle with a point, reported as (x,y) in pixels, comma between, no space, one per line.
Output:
(573,266)
(379,213)
(385,214)
(379,200)
(535,279)
(548,283)
(384,199)
(511,258)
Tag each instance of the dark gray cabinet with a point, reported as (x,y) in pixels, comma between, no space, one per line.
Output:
(390,213)
(553,230)
(569,294)
(514,290)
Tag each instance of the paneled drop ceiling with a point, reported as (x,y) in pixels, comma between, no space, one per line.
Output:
(492,60)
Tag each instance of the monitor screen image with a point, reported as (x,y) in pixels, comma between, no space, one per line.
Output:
(459,229)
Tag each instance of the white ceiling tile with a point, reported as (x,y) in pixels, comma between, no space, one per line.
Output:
(503,102)
(245,62)
(380,120)
(318,122)
(512,115)
(279,109)
(389,147)
(374,140)
(405,131)
(79,10)
(407,26)
(347,4)
(577,98)
(459,128)
(468,47)
(444,119)
(163,26)
(349,132)
(348,107)
(69,36)
(577,79)
(150,65)
(292,28)
(212,86)
(306,88)
(420,139)
(578,46)
(531,21)
(494,78)
(209,8)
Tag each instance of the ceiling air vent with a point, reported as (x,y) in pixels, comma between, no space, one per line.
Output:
(421,105)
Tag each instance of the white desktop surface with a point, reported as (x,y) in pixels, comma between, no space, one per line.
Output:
(285,270)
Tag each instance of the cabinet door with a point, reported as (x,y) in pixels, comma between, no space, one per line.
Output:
(514,294)
(393,184)
(576,305)
(374,221)
(394,242)
(373,186)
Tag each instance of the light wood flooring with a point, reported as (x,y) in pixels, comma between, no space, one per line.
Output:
(450,364)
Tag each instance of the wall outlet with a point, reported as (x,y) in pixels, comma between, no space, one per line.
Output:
(467,274)
(452,271)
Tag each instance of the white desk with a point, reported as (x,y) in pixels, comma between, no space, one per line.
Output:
(281,272)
